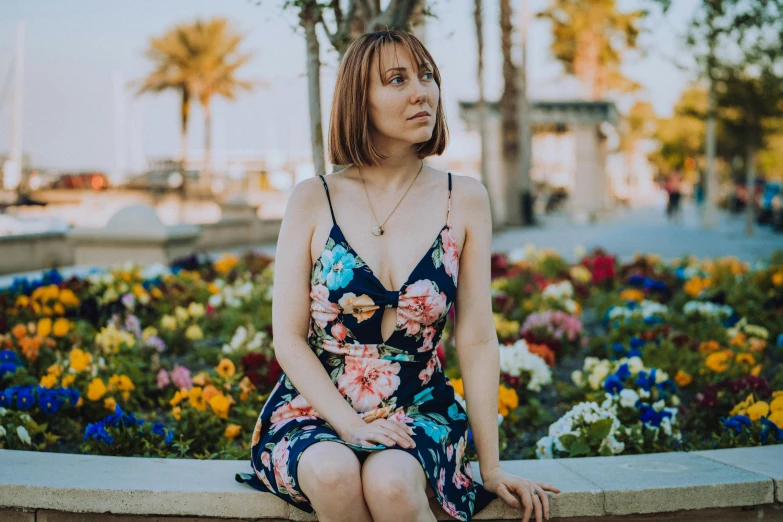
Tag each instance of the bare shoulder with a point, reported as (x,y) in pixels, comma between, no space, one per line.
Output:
(470,196)
(305,198)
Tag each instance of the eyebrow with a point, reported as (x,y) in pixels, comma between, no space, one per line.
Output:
(421,66)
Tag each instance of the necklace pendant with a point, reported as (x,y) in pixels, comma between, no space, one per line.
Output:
(377,230)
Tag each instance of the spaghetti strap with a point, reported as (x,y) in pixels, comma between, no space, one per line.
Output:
(448,210)
(326,187)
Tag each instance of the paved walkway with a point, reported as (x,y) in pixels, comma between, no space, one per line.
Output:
(647,230)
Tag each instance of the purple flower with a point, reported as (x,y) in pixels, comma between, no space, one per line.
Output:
(132,324)
(156,342)
(181,377)
(128,301)
(163,379)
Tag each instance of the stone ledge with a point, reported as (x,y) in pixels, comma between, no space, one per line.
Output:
(709,485)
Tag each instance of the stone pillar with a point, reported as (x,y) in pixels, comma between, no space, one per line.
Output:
(590,198)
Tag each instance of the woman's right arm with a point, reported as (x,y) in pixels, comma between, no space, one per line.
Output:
(291,321)
(291,309)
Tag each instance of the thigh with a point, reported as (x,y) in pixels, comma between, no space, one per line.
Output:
(394,470)
(327,464)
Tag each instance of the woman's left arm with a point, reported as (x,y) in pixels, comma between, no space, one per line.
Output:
(479,356)
(474,331)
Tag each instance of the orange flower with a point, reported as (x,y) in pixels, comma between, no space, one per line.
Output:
(709,346)
(745,358)
(632,294)
(109,403)
(719,361)
(226,368)
(19,331)
(682,378)
(543,351)
(738,340)
(232,430)
(30,347)
(210,391)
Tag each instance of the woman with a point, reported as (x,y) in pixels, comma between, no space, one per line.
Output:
(367,378)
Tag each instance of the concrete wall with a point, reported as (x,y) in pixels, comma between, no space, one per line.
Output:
(35,251)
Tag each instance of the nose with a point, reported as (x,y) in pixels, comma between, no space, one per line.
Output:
(419,92)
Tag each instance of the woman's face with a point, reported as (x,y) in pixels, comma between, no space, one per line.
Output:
(402,91)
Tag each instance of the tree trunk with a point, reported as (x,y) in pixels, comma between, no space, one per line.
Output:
(478,20)
(525,129)
(510,124)
(308,20)
(207,144)
(183,137)
(750,189)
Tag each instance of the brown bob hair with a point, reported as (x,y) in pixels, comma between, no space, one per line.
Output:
(350,129)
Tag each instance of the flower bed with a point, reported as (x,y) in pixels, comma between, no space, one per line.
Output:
(597,358)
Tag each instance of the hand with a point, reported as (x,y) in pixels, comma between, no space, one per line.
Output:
(506,486)
(380,431)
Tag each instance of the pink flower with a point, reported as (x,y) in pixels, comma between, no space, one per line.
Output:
(449,451)
(450,253)
(339,331)
(280,460)
(163,379)
(321,309)
(421,304)
(427,372)
(257,437)
(181,377)
(298,409)
(367,381)
(428,334)
(265,459)
(400,416)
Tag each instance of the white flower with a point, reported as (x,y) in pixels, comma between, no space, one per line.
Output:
(578,377)
(644,394)
(708,309)
(24,436)
(666,426)
(659,405)
(2,431)
(544,448)
(635,365)
(516,359)
(500,419)
(215,300)
(2,411)
(628,398)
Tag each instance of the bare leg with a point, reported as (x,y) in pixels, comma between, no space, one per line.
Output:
(395,487)
(330,475)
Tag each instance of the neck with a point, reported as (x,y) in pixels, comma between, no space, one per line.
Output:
(394,172)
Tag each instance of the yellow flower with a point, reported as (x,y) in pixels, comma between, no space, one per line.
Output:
(176,412)
(696,285)
(22,301)
(61,327)
(212,288)
(181,314)
(109,403)
(777,278)
(758,410)
(756,370)
(67,380)
(504,327)
(196,398)
(719,361)
(232,430)
(194,333)
(220,405)
(59,309)
(776,404)
(632,294)
(682,378)
(776,418)
(209,392)
(742,407)
(48,380)
(246,386)
(507,400)
(180,396)
(226,263)
(226,368)
(458,387)
(55,369)
(580,273)
(68,298)
(201,379)
(168,322)
(196,310)
(121,383)
(96,389)
(745,358)
(79,360)
(44,327)
(156,292)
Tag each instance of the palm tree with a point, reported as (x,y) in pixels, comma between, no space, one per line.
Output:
(199,60)
(478,21)
(590,39)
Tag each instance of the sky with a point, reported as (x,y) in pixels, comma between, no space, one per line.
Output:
(76,50)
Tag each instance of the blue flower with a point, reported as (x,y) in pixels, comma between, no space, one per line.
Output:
(7,367)
(9,356)
(770,426)
(119,418)
(623,372)
(680,273)
(6,398)
(736,422)
(73,395)
(649,415)
(636,342)
(339,264)
(634,352)
(646,381)
(25,398)
(48,401)
(613,384)
(619,348)
(98,432)
(667,388)
(158,428)
(653,319)
(52,277)
(780,340)
(169,436)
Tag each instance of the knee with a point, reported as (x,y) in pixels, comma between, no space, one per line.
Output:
(329,469)
(392,488)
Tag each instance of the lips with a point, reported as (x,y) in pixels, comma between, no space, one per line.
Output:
(422,113)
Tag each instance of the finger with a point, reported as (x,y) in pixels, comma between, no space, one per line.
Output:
(544,500)
(382,439)
(402,429)
(536,499)
(397,437)
(508,498)
(523,494)
(549,487)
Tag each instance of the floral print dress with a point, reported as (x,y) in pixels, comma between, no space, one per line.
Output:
(400,378)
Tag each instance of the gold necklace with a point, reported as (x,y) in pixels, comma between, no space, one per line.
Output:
(378,229)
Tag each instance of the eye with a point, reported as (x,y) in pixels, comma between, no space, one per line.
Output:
(396,78)
(428,74)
